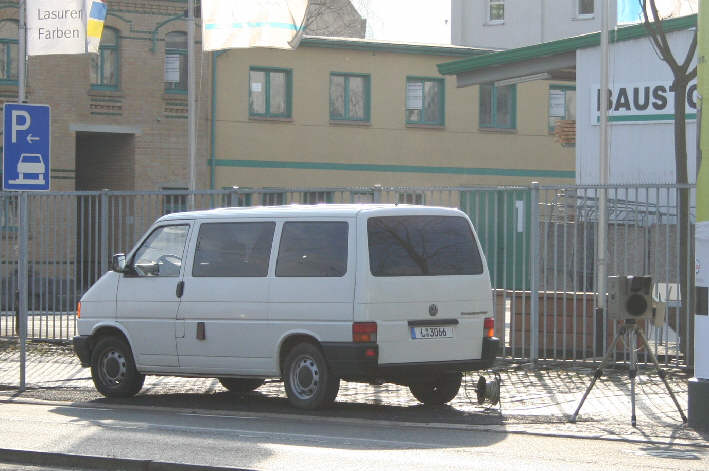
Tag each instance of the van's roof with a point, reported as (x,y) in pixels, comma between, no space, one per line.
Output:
(316,210)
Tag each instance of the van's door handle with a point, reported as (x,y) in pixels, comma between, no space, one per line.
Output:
(180,288)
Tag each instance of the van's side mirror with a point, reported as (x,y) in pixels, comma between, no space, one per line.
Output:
(119,262)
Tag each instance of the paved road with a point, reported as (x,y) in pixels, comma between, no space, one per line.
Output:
(284,442)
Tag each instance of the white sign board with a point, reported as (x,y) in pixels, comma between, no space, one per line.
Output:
(172,68)
(241,24)
(414,96)
(642,102)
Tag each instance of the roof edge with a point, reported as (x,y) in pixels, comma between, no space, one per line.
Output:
(560,46)
(389,46)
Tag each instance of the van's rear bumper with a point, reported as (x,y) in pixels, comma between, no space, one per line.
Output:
(350,361)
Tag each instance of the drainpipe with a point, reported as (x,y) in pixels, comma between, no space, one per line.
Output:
(212,152)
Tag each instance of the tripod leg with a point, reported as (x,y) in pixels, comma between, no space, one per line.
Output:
(662,375)
(633,370)
(599,372)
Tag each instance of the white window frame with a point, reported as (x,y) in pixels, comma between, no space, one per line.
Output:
(488,15)
(584,16)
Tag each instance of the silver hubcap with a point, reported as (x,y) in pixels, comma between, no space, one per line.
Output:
(304,377)
(113,367)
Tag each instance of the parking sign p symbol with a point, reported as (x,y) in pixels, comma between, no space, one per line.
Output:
(16,126)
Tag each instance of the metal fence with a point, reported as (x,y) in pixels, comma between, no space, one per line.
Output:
(540,244)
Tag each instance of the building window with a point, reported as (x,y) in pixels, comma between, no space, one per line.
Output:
(174,202)
(585,8)
(234,198)
(496,11)
(317,197)
(176,62)
(349,97)
(8,214)
(424,101)
(562,104)
(270,92)
(410,197)
(105,66)
(8,51)
(273,199)
(498,106)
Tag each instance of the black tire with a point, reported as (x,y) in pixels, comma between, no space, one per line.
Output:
(241,385)
(307,378)
(437,392)
(113,369)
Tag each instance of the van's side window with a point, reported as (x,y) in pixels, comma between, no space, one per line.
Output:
(233,249)
(313,249)
(161,253)
(422,246)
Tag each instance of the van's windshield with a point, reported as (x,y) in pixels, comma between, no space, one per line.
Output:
(422,246)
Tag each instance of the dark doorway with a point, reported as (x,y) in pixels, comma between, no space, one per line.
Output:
(103,161)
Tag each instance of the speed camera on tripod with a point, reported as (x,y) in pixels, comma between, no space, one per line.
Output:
(630,297)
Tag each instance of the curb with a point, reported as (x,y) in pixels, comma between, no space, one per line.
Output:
(511,428)
(43,458)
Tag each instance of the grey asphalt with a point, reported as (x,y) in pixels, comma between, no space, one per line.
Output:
(536,399)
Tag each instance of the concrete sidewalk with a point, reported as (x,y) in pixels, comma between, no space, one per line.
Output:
(534,399)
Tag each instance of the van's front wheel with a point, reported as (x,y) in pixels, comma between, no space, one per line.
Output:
(438,392)
(113,369)
(307,378)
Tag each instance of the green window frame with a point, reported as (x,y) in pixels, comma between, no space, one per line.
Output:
(350,97)
(105,68)
(561,96)
(8,52)
(411,197)
(425,101)
(235,199)
(317,197)
(270,92)
(176,50)
(498,107)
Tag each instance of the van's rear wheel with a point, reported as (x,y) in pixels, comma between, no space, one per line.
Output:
(438,392)
(307,378)
(241,385)
(113,369)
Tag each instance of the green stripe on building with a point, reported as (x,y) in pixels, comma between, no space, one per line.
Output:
(504,172)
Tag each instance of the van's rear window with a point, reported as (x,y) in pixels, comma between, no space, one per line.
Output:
(422,246)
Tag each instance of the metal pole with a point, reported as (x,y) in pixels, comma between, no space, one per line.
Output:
(22,55)
(191,131)
(22,273)
(533,267)
(603,163)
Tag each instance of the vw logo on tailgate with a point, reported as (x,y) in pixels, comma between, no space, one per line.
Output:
(433,309)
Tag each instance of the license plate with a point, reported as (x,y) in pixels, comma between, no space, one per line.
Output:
(432,332)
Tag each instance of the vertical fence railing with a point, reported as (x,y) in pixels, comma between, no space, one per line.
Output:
(539,242)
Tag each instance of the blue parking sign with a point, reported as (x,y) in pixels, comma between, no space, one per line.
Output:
(26,136)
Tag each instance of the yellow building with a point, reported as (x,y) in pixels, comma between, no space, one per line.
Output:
(342,112)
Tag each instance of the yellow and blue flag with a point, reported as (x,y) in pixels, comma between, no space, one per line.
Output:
(95,18)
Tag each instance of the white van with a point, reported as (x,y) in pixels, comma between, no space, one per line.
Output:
(310,294)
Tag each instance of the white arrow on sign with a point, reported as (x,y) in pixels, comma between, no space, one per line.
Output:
(30,138)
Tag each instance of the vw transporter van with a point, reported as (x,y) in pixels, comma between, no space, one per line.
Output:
(309,294)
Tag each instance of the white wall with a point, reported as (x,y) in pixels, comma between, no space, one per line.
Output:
(639,152)
(524,23)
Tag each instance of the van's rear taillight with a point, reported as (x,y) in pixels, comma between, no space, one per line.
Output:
(489,327)
(364,332)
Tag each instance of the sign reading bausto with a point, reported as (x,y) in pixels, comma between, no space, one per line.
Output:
(642,102)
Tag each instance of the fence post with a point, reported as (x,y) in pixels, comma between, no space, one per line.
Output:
(533,271)
(104,232)
(22,283)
